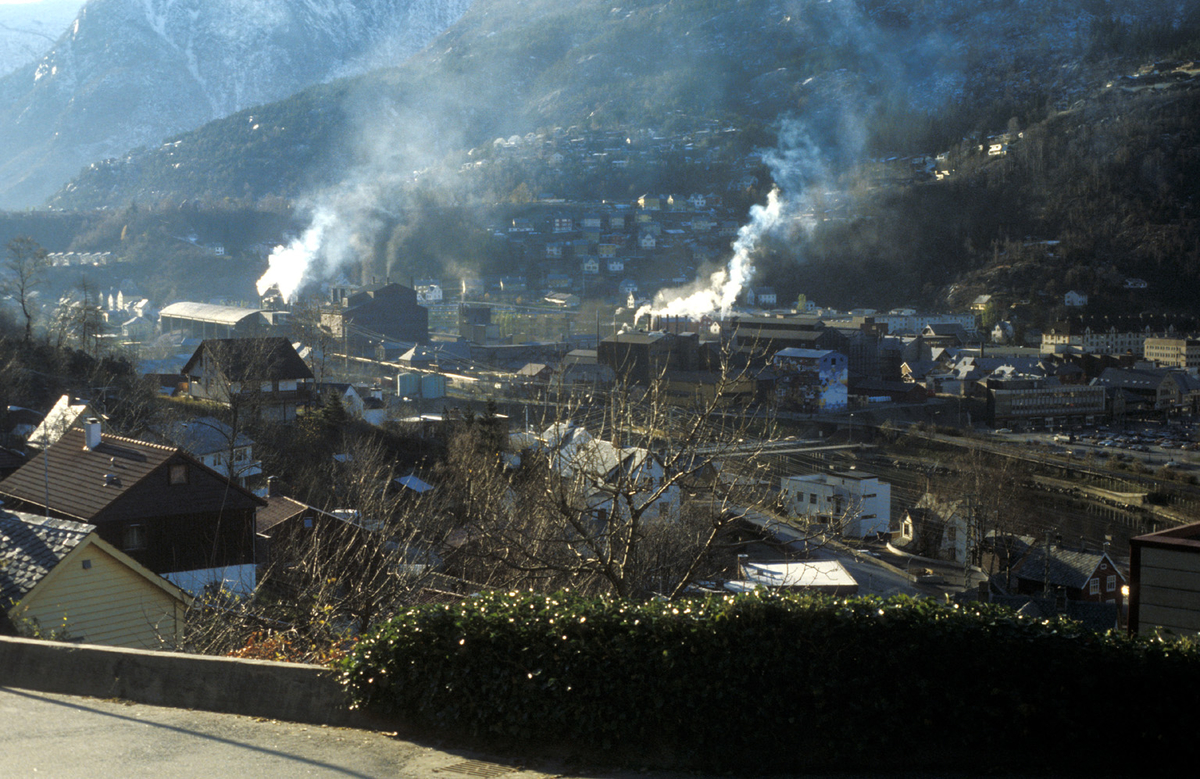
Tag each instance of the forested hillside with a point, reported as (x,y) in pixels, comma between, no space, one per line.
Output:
(1096,182)
(1084,199)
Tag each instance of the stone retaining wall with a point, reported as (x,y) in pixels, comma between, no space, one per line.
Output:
(256,688)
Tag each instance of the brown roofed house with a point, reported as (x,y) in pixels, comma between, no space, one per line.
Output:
(155,503)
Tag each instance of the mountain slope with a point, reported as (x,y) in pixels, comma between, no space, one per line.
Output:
(28,30)
(864,76)
(129,72)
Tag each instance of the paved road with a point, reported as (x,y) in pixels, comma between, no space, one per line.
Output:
(65,737)
(47,735)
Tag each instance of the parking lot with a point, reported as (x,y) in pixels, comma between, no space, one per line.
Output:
(1155,445)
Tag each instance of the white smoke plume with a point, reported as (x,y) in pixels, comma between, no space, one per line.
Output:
(289,265)
(339,234)
(724,286)
(795,166)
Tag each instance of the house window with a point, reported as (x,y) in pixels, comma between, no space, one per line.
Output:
(1111,585)
(178,474)
(1094,587)
(812,498)
(135,538)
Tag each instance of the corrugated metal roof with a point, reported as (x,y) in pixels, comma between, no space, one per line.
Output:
(208,312)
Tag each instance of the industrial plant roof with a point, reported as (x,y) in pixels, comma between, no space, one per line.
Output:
(208,312)
(803,354)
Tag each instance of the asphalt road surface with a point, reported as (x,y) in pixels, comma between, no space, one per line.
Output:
(62,736)
(48,735)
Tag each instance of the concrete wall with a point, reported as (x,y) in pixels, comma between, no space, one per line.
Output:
(256,688)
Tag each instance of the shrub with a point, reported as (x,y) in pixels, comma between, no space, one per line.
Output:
(777,682)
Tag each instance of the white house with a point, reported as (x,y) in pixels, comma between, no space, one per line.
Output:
(854,502)
(215,444)
(938,528)
(763,297)
(609,480)
(1075,299)
(428,291)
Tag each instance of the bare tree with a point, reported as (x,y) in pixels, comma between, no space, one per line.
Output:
(984,487)
(79,319)
(333,569)
(26,265)
(631,494)
(308,328)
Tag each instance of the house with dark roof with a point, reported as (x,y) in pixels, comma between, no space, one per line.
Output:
(157,504)
(216,444)
(284,523)
(1073,574)
(944,334)
(60,577)
(1140,389)
(1094,616)
(938,528)
(264,377)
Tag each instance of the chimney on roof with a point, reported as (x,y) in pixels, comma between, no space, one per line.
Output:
(91,433)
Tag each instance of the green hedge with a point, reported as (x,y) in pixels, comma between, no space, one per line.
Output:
(779,682)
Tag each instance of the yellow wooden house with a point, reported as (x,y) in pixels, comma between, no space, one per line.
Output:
(59,579)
